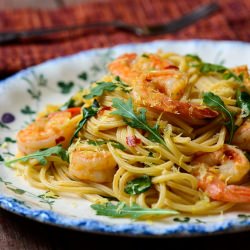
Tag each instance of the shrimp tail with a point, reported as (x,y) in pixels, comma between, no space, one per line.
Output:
(186,110)
(218,190)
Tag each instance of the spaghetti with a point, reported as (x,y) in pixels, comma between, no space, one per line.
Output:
(151,132)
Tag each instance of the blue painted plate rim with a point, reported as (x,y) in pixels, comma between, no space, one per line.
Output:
(130,229)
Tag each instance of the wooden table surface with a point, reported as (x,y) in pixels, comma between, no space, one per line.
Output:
(21,233)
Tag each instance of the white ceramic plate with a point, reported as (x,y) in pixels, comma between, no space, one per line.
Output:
(27,92)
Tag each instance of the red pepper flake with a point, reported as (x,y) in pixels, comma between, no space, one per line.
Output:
(172,67)
(132,141)
(229,154)
(60,139)
(101,111)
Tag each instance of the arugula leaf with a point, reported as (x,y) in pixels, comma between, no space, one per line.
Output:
(118,145)
(138,185)
(145,55)
(215,102)
(243,101)
(126,110)
(230,74)
(195,57)
(96,143)
(41,155)
(87,113)
(115,144)
(209,67)
(124,87)
(122,210)
(100,88)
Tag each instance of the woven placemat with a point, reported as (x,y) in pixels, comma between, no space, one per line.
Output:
(231,22)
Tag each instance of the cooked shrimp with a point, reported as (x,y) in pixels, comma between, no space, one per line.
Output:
(242,136)
(165,98)
(228,165)
(130,66)
(46,132)
(92,166)
(162,82)
(122,66)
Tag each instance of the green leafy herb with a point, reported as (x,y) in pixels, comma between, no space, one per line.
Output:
(41,155)
(100,88)
(182,220)
(126,110)
(97,143)
(69,104)
(120,209)
(83,76)
(227,73)
(145,55)
(115,144)
(118,145)
(1,158)
(195,57)
(124,87)
(138,185)
(87,113)
(65,87)
(209,67)
(230,74)
(215,102)
(243,101)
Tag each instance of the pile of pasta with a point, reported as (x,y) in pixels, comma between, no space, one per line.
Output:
(159,130)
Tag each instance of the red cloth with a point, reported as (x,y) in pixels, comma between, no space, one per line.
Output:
(231,22)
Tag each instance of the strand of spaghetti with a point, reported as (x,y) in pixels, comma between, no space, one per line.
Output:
(151,170)
(161,198)
(52,185)
(165,153)
(176,176)
(210,126)
(115,185)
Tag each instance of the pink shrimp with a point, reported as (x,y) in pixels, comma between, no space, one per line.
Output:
(164,83)
(46,132)
(93,166)
(242,136)
(216,170)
